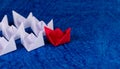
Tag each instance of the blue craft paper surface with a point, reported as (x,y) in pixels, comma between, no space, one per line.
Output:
(95,35)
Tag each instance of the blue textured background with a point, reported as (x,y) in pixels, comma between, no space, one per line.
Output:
(95,35)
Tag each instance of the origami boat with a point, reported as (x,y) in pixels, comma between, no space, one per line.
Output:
(57,37)
(30,41)
(32,22)
(7,31)
(18,19)
(7,46)
(16,33)
(37,27)
(33,40)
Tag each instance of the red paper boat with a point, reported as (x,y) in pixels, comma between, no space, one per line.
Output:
(57,37)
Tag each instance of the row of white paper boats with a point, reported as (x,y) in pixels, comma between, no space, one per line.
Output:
(11,33)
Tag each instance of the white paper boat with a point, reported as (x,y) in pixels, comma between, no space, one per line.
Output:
(7,31)
(30,41)
(32,22)
(18,19)
(38,26)
(7,46)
